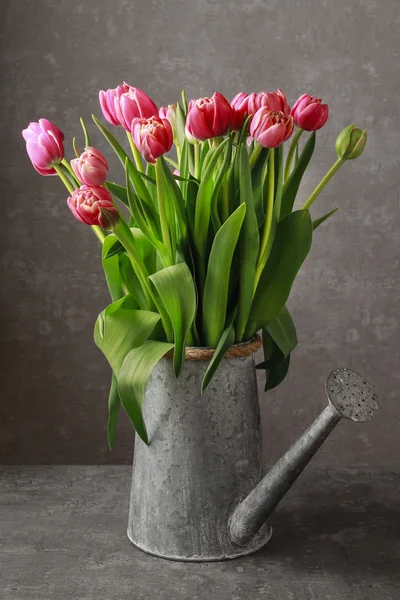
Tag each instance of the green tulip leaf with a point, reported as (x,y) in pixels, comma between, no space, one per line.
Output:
(120,327)
(215,299)
(283,331)
(249,244)
(318,222)
(226,340)
(114,404)
(291,245)
(111,269)
(291,186)
(176,290)
(203,206)
(133,377)
(118,191)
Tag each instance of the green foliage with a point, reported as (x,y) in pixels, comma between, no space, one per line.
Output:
(215,299)
(213,251)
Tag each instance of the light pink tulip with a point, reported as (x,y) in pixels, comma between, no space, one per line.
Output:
(209,117)
(91,167)
(270,128)
(243,105)
(44,145)
(108,101)
(94,206)
(134,104)
(273,101)
(309,113)
(152,136)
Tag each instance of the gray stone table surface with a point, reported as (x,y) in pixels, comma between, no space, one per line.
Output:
(62,536)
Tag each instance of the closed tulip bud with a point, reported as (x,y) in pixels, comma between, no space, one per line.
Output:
(309,113)
(108,100)
(270,127)
(152,136)
(169,113)
(351,142)
(273,101)
(243,106)
(44,145)
(134,104)
(209,117)
(91,167)
(94,206)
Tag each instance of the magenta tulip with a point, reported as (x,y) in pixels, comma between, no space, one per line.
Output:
(91,167)
(94,206)
(270,127)
(108,100)
(134,104)
(309,113)
(273,101)
(209,117)
(44,145)
(243,105)
(152,136)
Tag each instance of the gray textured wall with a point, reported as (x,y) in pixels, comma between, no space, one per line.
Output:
(55,57)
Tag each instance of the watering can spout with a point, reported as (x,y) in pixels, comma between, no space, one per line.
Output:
(350,396)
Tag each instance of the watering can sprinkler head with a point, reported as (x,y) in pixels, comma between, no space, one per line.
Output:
(351,397)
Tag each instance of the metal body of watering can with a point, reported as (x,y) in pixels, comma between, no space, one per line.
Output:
(199,492)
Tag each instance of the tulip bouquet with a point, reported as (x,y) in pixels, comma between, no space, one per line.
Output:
(200,247)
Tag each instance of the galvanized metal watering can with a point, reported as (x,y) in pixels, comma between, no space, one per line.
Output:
(199,492)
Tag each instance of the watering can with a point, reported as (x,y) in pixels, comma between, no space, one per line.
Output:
(199,491)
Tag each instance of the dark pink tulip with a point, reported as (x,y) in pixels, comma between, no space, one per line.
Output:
(94,206)
(91,167)
(134,104)
(243,105)
(309,113)
(270,127)
(209,117)
(108,101)
(44,145)
(273,101)
(152,136)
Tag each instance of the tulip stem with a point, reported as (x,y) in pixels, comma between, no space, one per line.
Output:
(196,160)
(64,178)
(255,154)
(172,162)
(292,150)
(262,256)
(327,177)
(70,170)
(137,157)
(162,208)
(97,230)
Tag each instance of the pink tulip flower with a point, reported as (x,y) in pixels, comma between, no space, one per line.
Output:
(152,136)
(273,101)
(169,113)
(44,145)
(94,206)
(243,105)
(209,117)
(134,104)
(108,100)
(91,167)
(309,113)
(270,127)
